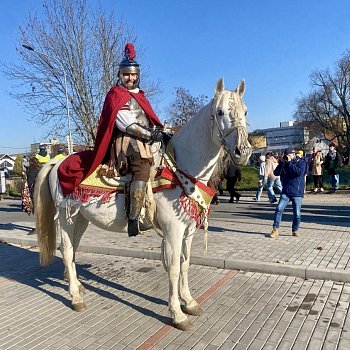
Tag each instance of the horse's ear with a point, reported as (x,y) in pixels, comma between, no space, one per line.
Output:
(241,88)
(220,87)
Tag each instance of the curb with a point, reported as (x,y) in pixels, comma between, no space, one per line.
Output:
(305,272)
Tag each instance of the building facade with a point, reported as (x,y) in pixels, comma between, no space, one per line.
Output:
(278,139)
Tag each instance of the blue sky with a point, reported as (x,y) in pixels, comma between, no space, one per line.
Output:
(274,45)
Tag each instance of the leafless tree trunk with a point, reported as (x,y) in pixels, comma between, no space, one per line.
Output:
(88,46)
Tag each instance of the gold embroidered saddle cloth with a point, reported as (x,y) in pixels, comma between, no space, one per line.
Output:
(97,185)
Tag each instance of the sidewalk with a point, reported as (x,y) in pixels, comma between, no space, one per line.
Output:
(236,238)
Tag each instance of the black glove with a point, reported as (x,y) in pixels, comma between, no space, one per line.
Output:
(167,137)
(156,135)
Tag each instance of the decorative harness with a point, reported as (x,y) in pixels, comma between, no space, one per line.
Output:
(224,133)
(192,191)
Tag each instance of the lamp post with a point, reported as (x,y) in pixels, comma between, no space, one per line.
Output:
(70,141)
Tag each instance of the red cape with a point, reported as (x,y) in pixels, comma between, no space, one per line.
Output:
(75,168)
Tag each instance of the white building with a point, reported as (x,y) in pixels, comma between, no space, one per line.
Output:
(287,135)
(6,164)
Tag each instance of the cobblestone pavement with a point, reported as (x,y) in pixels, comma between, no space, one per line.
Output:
(236,238)
(127,307)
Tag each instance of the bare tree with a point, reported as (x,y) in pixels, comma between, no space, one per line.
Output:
(87,46)
(327,107)
(185,106)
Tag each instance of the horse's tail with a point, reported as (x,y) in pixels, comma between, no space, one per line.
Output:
(44,207)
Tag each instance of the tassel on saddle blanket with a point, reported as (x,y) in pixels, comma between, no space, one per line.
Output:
(97,185)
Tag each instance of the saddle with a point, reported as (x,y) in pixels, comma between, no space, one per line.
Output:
(103,186)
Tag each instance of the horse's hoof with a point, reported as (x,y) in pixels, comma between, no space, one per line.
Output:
(79,307)
(194,311)
(184,325)
(82,289)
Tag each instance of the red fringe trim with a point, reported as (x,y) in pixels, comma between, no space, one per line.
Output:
(83,193)
(192,209)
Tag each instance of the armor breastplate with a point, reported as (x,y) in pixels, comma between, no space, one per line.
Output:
(141,119)
(139,113)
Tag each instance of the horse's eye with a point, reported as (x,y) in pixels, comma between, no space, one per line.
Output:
(246,112)
(220,113)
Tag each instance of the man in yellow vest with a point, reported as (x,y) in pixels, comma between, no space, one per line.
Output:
(42,156)
(60,153)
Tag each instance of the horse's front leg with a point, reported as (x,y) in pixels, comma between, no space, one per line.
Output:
(190,306)
(67,251)
(172,252)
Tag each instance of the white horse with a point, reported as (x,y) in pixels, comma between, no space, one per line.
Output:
(220,124)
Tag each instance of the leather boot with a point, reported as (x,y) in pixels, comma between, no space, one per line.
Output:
(137,196)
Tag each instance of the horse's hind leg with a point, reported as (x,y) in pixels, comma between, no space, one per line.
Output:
(67,249)
(190,306)
(80,227)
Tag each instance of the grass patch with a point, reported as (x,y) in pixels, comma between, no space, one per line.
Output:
(250,175)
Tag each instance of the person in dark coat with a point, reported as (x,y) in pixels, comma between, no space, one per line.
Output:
(233,175)
(292,171)
(31,175)
(333,162)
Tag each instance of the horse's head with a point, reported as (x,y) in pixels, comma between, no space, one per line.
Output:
(229,122)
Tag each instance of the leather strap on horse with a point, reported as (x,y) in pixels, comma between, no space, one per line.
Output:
(191,192)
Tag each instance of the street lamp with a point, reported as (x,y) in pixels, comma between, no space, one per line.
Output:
(70,141)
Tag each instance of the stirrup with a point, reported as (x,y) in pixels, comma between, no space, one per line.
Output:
(145,226)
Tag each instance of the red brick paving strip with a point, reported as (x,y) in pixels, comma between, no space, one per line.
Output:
(163,331)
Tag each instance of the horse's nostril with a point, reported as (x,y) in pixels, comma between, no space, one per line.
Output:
(237,151)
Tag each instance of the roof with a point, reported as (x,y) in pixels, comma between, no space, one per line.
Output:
(3,156)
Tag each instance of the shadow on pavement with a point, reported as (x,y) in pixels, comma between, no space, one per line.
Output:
(334,215)
(10,227)
(11,208)
(22,265)
(225,230)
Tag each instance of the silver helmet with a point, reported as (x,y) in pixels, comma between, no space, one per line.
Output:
(129,65)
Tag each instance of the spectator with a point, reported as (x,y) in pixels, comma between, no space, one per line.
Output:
(35,164)
(25,165)
(42,156)
(270,179)
(233,175)
(60,153)
(292,171)
(316,170)
(260,178)
(32,173)
(211,184)
(333,162)
(28,191)
(300,155)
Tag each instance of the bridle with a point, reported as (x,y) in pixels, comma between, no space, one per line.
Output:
(223,133)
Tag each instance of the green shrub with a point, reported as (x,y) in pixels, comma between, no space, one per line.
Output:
(249,180)
(250,176)
(11,191)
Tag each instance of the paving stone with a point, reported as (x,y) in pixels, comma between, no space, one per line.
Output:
(236,315)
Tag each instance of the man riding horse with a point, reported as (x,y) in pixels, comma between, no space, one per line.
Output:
(123,135)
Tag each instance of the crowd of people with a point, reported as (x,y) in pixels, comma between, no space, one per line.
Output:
(286,175)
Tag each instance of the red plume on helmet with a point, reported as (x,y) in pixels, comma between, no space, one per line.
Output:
(128,65)
(130,51)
